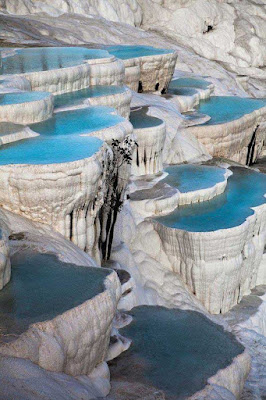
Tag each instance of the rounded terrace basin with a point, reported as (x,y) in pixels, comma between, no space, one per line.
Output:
(188,82)
(189,178)
(60,139)
(25,107)
(125,52)
(77,97)
(48,58)
(42,287)
(140,119)
(224,109)
(245,189)
(169,347)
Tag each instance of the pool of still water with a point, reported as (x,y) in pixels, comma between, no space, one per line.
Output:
(245,189)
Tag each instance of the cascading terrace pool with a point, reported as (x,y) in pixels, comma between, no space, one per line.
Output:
(43,287)
(245,189)
(60,138)
(125,52)
(173,350)
(48,58)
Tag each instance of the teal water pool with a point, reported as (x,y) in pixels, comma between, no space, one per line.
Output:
(245,189)
(74,98)
(188,83)
(126,51)
(182,91)
(60,139)
(48,58)
(140,119)
(173,350)
(188,178)
(42,287)
(21,97)
(223,109)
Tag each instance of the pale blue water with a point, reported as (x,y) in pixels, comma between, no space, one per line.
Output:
(188,82)
(223,109)
(245,189)
(43,287)
(127,51)
(60,139)
(74,98)
(47,58)
(187,178)
(182,91)
(173,350)
(23,97)
(140,119)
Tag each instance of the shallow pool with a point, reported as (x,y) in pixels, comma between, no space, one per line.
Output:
(21,97)
(47,58)
(60,139)
(245,189)
(188,178)
(140,119)
(223,109)
(173,350)
(188,82)
(43,287)
(125,52)
(74,98)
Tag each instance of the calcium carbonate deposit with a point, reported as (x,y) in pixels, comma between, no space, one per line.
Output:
(132,200)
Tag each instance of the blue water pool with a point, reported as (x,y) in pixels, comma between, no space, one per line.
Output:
(60,139)
(173,350)
(125,52)
(182,91)
(47,58)
(22,97)
(42,287)
(223,109)
(188,82)
(245,189)
(140,119)
(187,178)
(74,98)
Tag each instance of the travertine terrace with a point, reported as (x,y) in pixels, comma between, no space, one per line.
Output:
(101,148)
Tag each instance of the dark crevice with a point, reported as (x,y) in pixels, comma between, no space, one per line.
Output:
(71,215)
(251,147)
(140,88)
(157,86)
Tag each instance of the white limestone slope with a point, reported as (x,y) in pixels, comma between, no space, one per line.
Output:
(148,154)
(10,133)
(150,73)
(5,266)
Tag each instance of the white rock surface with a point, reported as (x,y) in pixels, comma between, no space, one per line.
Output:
(5,266)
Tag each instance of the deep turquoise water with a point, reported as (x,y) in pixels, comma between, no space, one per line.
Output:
(125,52)
(60,139)
(174,350)
(43,287)
(187,178)
(223,109)
(245,189)
(23,97)
(189,82)
(140,119)
(47,58)
(73,98)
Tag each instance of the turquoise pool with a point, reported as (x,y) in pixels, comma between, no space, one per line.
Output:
(22,97)
(47,58)
(188,178)
(43,287)
(182,91)
(77,97)
(140,119)
(127,51)
(223,109)
(188,82)
(245,189)
(173,350)
(60,139)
